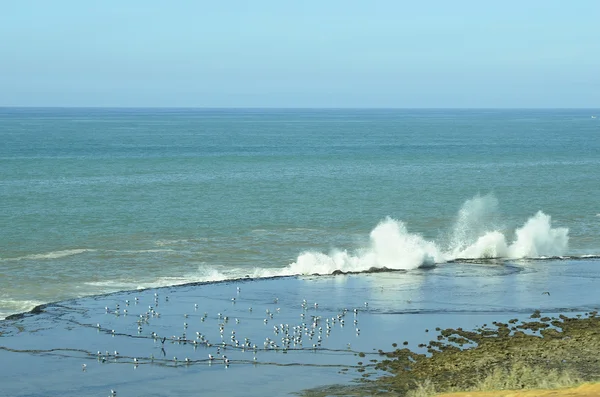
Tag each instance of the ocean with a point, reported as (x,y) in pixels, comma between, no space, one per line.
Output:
(102,200)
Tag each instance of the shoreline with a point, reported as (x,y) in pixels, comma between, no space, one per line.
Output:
(502,359)
(39,308)
(372,270)
(399,310)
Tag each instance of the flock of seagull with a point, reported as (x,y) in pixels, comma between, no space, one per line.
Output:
(308,334)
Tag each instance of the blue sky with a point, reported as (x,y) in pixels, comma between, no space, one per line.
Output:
(306,53)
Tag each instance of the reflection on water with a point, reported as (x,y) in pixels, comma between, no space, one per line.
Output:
(272,336)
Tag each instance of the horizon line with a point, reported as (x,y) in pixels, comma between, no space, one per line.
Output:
(295,108)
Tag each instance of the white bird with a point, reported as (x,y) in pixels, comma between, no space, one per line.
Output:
(83,367)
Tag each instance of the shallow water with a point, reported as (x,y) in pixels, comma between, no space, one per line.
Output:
(42,354)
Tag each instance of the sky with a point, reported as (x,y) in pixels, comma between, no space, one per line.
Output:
(277,53)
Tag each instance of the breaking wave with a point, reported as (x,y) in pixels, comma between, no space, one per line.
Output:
(50,255)
(476,234)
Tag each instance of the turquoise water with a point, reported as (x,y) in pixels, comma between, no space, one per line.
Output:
(100,200)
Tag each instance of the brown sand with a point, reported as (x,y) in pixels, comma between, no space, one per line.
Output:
(585,390)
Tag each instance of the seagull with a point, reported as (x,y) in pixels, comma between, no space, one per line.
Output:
(546,293)
(83,367)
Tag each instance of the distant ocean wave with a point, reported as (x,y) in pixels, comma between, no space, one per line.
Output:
(51,254)
(78,251)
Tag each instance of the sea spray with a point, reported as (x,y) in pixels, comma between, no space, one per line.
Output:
(390,246)
(475,235)
(537,238)
(476,217)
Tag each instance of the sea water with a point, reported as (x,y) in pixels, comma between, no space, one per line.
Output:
(102,200)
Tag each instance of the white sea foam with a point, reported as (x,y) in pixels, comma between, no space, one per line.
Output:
(203,274)
(71,252)
(476,234)
(51,255)
(148,251)
(390,246)
(10,306)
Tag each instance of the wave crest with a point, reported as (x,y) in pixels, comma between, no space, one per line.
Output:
(475,235)
(51,255)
